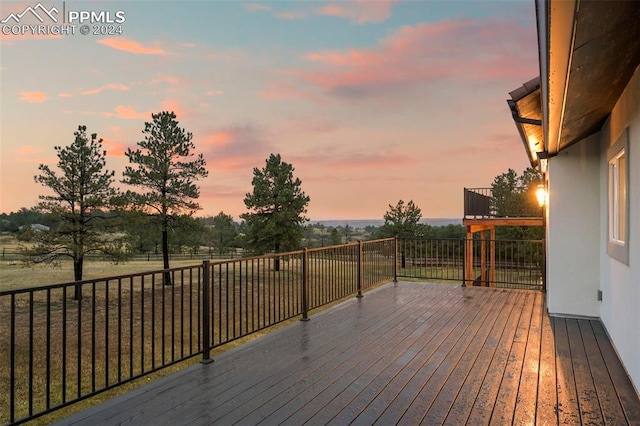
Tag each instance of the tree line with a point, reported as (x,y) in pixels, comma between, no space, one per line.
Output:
(86,213)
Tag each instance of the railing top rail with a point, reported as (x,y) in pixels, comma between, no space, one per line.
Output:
(379,240)
(479,189)
(469,239)
(97,280)
(181,268)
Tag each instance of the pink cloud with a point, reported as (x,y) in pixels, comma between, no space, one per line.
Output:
(416,56)
(219,138)
(166,79)
(33,97)
(114,148)
(175,106)
(359,11)
(255,7)
(31,154)
(281,89)
(131,46)
(110,86)
(27,150)
(359,160)
(65,95)
(129,113)
(234,148)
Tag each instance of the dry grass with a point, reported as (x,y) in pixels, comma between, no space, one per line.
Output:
(120,323)
(19,275)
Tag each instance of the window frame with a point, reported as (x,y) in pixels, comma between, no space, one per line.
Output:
(618,242)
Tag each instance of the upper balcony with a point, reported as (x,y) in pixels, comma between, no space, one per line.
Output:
(485,208)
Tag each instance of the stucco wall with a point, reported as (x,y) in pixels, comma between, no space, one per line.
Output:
(573,230)
(620,310)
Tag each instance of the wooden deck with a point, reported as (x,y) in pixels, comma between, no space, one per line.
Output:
(411,353)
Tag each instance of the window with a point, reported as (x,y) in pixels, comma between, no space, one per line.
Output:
(618,199)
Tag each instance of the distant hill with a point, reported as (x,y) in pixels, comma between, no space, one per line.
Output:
(363,223)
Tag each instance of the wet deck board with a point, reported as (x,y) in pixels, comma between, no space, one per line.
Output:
(409,353)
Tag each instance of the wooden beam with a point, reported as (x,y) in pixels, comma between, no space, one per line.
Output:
(478,228)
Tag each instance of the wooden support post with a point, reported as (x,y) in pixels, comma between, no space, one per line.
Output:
(492,259)
(483,258)
(469,257)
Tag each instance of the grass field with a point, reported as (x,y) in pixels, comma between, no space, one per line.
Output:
(19,275)
(127,323)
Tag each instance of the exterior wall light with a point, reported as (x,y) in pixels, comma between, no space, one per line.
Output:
(541,195)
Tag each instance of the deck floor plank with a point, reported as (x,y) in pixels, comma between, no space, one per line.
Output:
(568,409)
(334,376)
(590,411)
(487,398)
(525,409)
(361,391)
(468,392)
(428,363)
(623,387)
(611,408)
(547,399)
(437,395)
(503,410)
(411,353)
(372,408)
(311,405)
(301,393)
(293,378)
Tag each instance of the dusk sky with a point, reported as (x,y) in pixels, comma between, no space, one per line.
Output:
(371,101)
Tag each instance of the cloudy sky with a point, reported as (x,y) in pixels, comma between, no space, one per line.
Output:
(372,101)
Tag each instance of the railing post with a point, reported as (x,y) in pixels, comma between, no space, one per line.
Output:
(206,317)
(360,270)
(305,285)
(395,259)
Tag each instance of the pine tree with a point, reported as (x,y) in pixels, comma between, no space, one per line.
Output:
(276,208)
(81,195)
(165,171)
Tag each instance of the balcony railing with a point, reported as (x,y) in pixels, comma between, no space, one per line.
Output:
(516,264)
(478,203)
(55,350)
(483,203)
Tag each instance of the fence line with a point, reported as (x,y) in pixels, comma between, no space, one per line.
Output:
(517,264)
(56,350)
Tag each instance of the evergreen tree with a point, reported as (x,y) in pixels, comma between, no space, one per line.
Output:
(402,221)
(165,170)
(276,208)
(224,233)
(82,193)
(514,195)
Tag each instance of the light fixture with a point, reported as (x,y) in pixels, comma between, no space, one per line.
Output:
(541,195)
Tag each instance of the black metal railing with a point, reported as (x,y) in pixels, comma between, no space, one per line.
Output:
(478,203)
(517,264)
(56,350)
